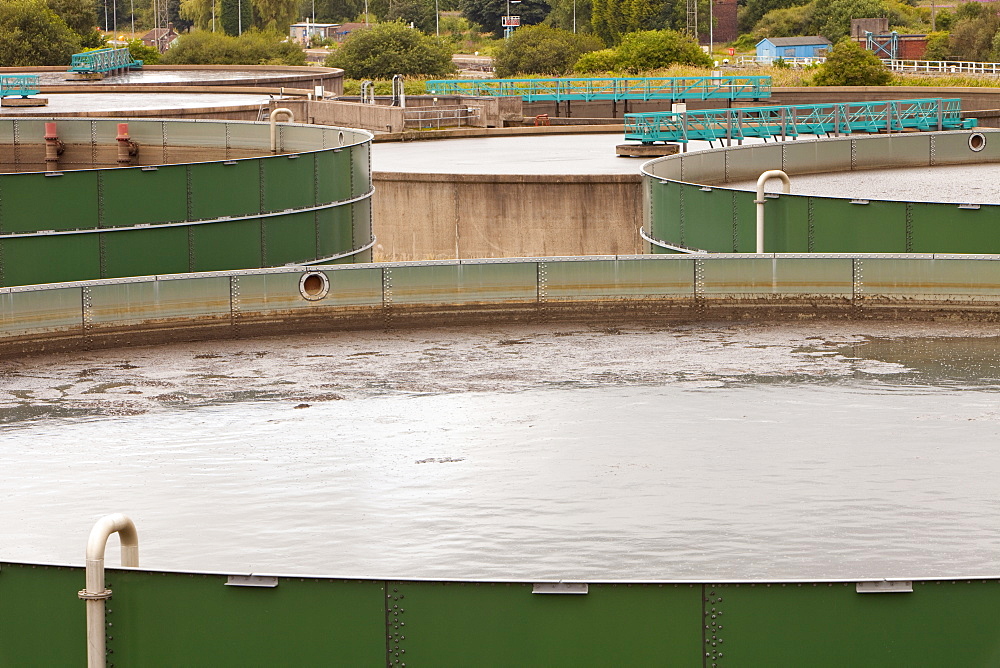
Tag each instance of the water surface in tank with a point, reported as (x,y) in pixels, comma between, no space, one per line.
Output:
(709,451)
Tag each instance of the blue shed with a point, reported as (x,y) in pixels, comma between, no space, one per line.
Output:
(770,49)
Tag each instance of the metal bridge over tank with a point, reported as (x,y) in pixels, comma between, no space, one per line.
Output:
(23,85)
(100,61)
(790,121)
(612,89)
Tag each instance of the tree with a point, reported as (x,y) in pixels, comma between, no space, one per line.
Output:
(254,47)
(850,65)
(787,22)
(562,11)
(755,10)
(542,50)
(335,11)
(149,55)
(972,37)
(656,49)
(418,12)
(387,49)
(275,14)
(235,16)
(32,34)
(487,13)
(79,15)
(832,18)
(938,46)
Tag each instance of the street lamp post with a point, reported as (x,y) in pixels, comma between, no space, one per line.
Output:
(437,19)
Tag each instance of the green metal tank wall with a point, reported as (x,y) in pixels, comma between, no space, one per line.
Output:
(308,203)
(686,205)
(195,619)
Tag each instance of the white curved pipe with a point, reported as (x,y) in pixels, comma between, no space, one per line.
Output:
(787,188)
(95,594)
(274,119)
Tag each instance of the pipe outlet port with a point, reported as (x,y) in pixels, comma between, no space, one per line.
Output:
(314,285)
(977,141)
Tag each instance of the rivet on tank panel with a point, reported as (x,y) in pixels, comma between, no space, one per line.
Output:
(314,285)
(977,141)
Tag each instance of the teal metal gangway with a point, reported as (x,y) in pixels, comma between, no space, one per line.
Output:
(12,85)
(100,61)
(790,121)
(610,88)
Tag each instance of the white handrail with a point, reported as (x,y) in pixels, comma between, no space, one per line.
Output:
(95,594)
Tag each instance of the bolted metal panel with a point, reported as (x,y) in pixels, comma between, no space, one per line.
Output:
(953,147)
(968,280)
(503,624)
(29,260)
(145,252)
(749,162)
(464,283)
(40,311)
(712,226)
(361,230)
(898,150)
(219,189)
(361,171)
(221,246)
(843,227)
(147,300)
(334,231)
(776,276)
(829,624)
(124,206)
(808,157)
(609,279)
(33,202)
(301,622)
(261,293)
(704,166)
(945,228)
(334,175)
(249,135)
(39,624)
(288,182)
(665,211)
(289,239)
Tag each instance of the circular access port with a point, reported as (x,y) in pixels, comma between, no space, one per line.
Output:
(977,141)
(314,285)
(340,138)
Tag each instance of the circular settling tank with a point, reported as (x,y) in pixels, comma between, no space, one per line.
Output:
(553,452)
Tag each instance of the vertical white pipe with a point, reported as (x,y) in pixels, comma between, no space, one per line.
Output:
(760,201)
(95,594)
(274,120)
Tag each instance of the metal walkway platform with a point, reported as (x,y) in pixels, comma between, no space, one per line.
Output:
(23,85)
(613,89)
(100,61)
(791,121)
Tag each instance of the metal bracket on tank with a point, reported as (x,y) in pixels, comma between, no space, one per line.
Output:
(885,587)
(251,581)
(560,588)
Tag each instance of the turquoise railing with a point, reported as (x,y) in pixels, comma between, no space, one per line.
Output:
(103,60)
(791,121)
(12,85)
(614,89)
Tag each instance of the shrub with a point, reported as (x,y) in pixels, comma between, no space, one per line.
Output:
(655,49)
(32,34)
(850,65)
(542,50)
(387,49)
(251,48)
(595,62)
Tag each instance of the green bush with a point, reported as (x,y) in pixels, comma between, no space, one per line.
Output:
(850,65)
(251,48)
(387,49)
(597,62)
(149,55)
(32,34)
(540,49)
(655,49)
(938,47)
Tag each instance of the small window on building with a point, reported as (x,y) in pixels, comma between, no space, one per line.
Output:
(789,53)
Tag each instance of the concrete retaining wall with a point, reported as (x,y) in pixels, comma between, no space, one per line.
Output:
(447,216)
